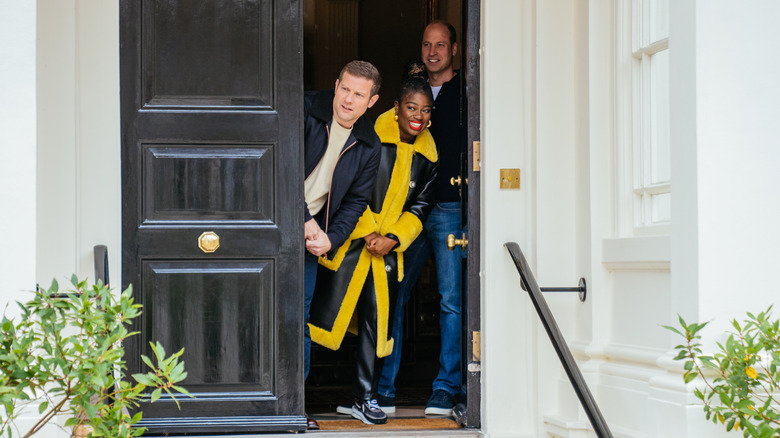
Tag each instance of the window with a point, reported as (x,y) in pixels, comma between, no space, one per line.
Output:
(642,116)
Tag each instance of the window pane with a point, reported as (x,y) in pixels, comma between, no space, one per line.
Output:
(659,110)
(662,207)
(659,19)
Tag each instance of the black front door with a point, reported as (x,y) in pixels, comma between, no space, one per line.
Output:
(211,96)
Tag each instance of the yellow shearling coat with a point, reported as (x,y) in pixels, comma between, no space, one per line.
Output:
(401,200)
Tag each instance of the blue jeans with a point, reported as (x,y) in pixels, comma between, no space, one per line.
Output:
(443,220)
(309,281)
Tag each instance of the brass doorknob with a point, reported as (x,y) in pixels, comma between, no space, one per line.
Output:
(208,241)
(455,181)
(452,242)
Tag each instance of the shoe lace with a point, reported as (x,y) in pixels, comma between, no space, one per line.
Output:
(372,404)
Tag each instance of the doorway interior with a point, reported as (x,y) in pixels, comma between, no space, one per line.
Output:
(387,34)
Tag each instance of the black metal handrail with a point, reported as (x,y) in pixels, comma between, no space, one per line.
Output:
(101,263)
(581,289)
(559,343)
(100,257)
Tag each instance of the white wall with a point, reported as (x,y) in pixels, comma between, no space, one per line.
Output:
(534,117)
(549,108)
(509,327)
(79,192)
(561,86)
(724,95)
(738,155)
(57,165)
(58,135)
(17,144)
(725,155)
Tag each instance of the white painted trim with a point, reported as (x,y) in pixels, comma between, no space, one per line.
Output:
(18,140)
(557,426)
(652,48)
(623,120)
(57,156)
(613,352)
(633,145)
(637,253)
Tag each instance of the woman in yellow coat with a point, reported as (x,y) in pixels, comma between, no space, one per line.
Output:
(357,288)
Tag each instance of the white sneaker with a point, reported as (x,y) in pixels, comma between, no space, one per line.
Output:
(368,412)
(347,409)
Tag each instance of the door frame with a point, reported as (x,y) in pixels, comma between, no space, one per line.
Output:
(470,23)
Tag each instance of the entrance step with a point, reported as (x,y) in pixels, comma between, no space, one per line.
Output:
(457,433)
(406,422)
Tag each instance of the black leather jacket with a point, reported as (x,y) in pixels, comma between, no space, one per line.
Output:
(343,279)
(420,199)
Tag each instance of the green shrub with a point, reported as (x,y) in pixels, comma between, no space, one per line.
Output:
(66,353)
(740,382)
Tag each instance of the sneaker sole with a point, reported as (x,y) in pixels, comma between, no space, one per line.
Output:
(438,411)
(359,415)
(347,410)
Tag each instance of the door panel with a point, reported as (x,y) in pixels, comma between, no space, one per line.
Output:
(234,43)
(211,142)
(213,309)
(188,182)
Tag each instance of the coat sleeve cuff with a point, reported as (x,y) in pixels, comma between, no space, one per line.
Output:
(306,215)
(406,229)
(394,237)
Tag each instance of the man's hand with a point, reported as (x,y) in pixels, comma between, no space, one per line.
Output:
(320,245)
(379,246)
(311,229)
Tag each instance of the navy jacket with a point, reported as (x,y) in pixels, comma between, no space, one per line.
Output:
(355,172)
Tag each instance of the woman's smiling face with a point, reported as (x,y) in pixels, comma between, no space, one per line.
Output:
(414,113)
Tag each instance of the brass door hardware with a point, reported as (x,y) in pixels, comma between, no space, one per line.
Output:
(452,242)
(476,156)
(510,179)
(208,241)
(456,181)
(475,346)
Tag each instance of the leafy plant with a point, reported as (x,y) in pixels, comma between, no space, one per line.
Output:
(66,353)
(740,382)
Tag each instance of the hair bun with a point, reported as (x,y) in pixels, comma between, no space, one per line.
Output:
(414,68)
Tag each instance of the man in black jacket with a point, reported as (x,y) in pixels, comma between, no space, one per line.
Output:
(341,157)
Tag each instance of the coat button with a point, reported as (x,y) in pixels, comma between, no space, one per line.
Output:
(388,268)
(412,184)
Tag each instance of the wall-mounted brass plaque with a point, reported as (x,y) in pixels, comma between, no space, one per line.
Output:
(510,179)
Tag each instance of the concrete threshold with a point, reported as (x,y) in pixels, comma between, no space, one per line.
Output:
(462,433)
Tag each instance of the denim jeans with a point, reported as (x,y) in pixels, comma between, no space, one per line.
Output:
(443,220)
(309,281)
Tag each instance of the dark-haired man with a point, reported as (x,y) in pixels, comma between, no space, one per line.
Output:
(437,52)
(341,157)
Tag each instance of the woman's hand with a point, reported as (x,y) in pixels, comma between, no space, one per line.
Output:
(379,246)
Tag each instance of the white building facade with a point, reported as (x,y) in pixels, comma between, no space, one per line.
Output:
(644,131)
